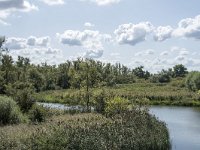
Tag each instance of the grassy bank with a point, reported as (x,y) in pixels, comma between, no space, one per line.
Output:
(173,93)
(135,130)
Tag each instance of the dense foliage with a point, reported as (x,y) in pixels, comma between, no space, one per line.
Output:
(193,81)
(133,130)
(9,112)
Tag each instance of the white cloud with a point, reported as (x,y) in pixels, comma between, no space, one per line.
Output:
(53,2)
(37,49)
(150,52)
(15,43)
(42,41)
(133,33)
(88,39)
(177,49)
(180,58)
(4,23)
(184,52)
(89,25)
(8,7)
(103,2)
(165,53)
(138,54)
(189,28)
(13,5)
(163,33)
(93,54)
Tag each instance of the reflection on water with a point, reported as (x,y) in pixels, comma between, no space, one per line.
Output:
(63,107)
(183,124)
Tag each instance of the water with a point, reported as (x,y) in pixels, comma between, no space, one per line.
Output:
(63,107)
(183,124)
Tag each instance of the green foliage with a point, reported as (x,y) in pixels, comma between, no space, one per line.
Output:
(37,113)
(10,112)
(100,99)
(134,130)
(36,78)
(162,77)
(117,105)
(179,70)
(193,81)
(139,72)
(22,94)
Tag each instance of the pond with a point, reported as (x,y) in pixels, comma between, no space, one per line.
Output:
(183,124)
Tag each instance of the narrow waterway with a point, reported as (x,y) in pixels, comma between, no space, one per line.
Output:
(183,124)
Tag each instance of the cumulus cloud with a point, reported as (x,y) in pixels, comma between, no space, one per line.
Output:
(7,7)
(4,23)
(38,49)
(189,28)
(42,41)
(163,33)
(184,53)
(165,53)
(103,2)
(138,54)
(15,43)
(12,5)
(180,58)
(53,2)
(88,24)
(93,54)
(88,39)
(133,33)
(150,52)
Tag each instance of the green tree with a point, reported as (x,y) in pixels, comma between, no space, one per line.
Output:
(36,78)
(179,70)
(193,81)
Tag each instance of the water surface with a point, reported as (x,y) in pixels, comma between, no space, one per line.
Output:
(183,124)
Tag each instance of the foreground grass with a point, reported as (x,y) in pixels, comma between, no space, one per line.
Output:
(173,93)
(134,130)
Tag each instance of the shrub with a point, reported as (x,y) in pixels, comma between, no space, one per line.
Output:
(116,105)
(193,81)
(22,93)
(9,111)
(100,101)
(37,113)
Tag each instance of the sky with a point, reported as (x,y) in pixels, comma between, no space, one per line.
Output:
(156,34)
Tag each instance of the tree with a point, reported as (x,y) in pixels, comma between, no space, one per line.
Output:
(36,78)
(193,81)
(179,70)
(139,72)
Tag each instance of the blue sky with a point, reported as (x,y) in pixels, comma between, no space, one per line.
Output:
(153,33)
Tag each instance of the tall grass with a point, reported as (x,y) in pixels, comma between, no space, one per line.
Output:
(130,130)
(170,93)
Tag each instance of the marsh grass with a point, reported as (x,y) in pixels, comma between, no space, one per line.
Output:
(173,93)
(129,130)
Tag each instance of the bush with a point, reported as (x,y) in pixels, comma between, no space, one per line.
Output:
(9,111)
(37,113)
(116,105)
(100,101)
(22,93)
(193,81)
